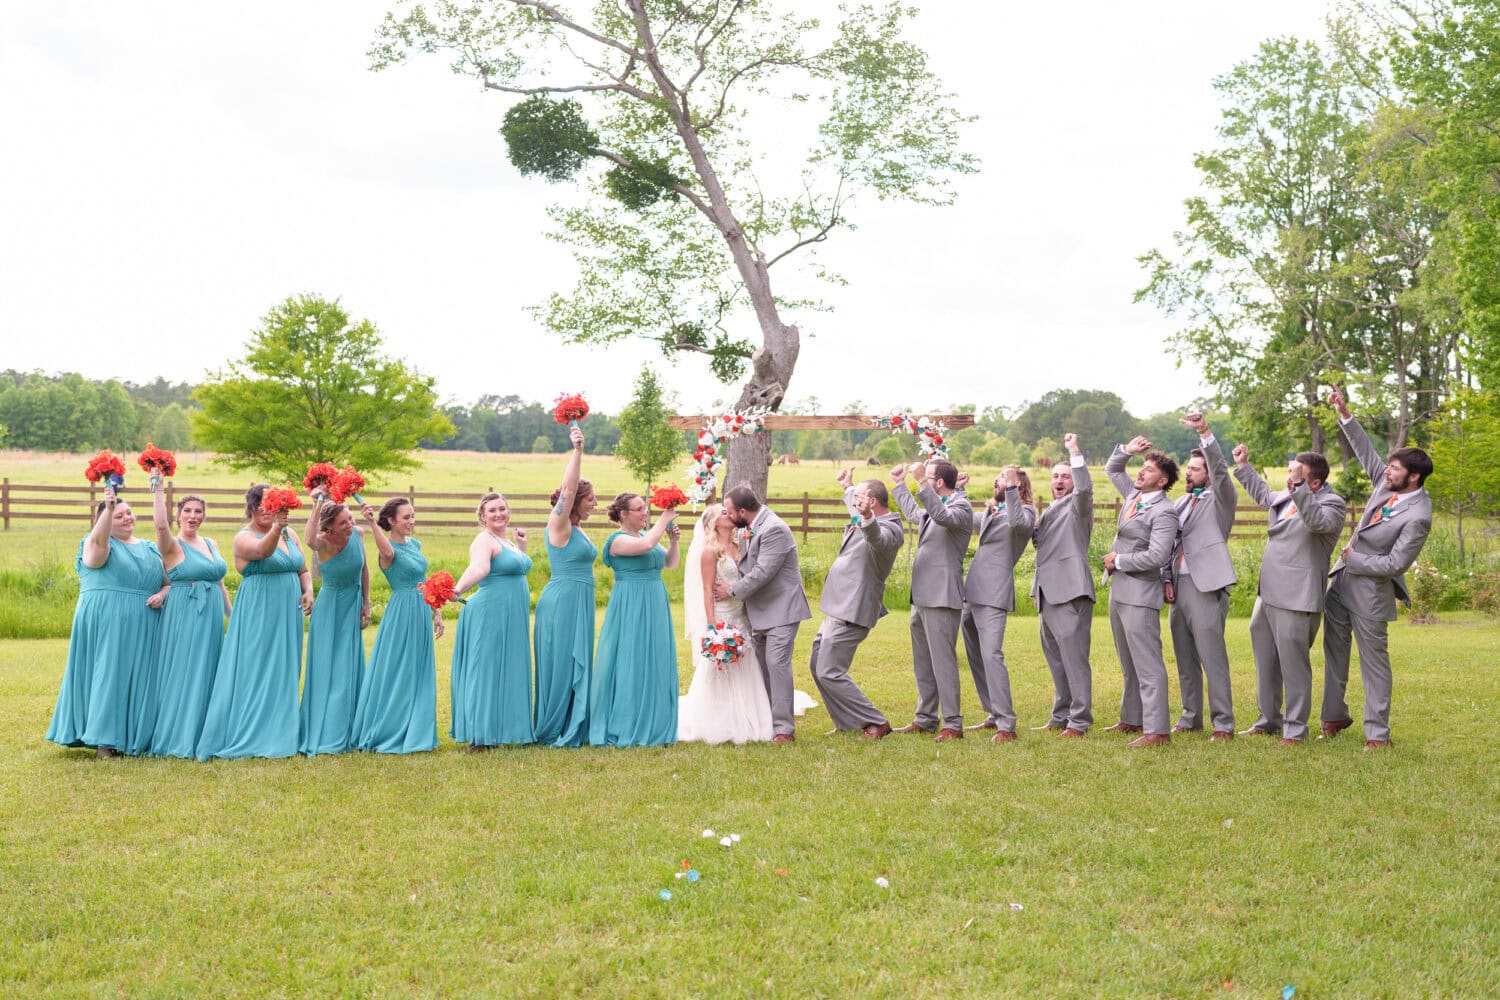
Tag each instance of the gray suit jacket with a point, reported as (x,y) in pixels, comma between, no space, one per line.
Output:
(943,529)
(1206,524)
(1300,543)
(1002,540)
(1145,535)
(855,586)
(1061,537)
(1375,574)
(770,580)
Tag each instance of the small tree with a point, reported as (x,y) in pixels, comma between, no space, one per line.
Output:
(648,444)
(540,445)
(313,387)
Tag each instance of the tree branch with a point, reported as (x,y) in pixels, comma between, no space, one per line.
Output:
(558,18)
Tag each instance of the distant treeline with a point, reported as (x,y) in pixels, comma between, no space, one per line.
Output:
(71,413)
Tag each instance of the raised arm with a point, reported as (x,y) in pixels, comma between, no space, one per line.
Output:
(560,521)
(1364,448)
(1250,479)
(1114,468)
(904,500)
(949,515)
(1323,513)
(639,545)
(166,544)
(383,547)
(882,536)
(776,547)
(96,545)
(310,533)
(1223,483)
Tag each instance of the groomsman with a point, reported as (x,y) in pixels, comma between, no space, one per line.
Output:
(1004,529)
(1145,535)
(1063,590)
(853,601)
(1305,520)
(770,584)
(1202,573)
(1370,575)
(944,521)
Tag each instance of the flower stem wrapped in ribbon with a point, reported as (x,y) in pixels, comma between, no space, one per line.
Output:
(569,409)
(438,589)
(723,645)
(667,497)
(157,463)
(347,483)
(319,476)
(929,431)
(106,465)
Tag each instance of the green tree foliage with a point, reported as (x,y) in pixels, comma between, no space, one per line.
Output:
(173,428)
(648,444)
(1099,418)
(660,111)
(66,413)
(1466,477)
(314,387)
(512,424)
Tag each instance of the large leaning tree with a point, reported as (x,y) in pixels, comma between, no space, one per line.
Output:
(717,140)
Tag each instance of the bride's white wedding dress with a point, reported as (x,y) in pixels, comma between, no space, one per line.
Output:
(729,705)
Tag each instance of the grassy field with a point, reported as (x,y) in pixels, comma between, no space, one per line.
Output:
(1044,868)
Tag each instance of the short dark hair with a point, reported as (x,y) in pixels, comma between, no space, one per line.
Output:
(253,497)
(389,511)
(945,472)
(1198,453)
(1166,463)
(620,505)
(1415,459)
(743,497)
(877,490)
(1315,464)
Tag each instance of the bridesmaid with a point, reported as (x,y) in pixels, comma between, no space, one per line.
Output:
(565,613)
(252,711)
(491,683)
(634,699)
(398,700)
(335,648)
(192,627)
(107,700)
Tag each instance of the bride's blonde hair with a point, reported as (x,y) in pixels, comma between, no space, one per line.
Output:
(710,533)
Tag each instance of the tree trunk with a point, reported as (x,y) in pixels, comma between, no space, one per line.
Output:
(770,373)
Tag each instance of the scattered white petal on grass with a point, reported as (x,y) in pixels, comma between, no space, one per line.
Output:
(1150,829)
(967,924)
(1017,907)
(883,882)
(726,842)
(1228,823)
(708,833)
(734,837)
(678,874)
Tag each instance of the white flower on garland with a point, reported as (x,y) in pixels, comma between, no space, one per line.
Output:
(708,456)
(930,433)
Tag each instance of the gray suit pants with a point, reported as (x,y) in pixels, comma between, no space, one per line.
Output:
(1197,622)
(1145,701)
(983,629)
(1282,641)
(773,647)
(832,652)
(1066,636)
(1340,625)
(934,653)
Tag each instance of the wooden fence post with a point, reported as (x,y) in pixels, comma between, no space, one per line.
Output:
(5,501)
(89,516)
(806,514)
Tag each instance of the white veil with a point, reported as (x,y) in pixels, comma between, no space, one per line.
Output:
(692,581)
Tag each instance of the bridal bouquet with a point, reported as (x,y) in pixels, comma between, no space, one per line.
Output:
(723,645)
(106,465)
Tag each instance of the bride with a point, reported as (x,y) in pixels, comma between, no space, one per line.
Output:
(728,705)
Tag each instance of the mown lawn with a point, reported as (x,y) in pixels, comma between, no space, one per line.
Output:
(1043,868)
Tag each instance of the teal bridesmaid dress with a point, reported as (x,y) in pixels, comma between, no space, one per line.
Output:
(492,657)
(634,698)
(252,711)
(335,654)
(192,633)
(111,653)
(564,638)
(398,700)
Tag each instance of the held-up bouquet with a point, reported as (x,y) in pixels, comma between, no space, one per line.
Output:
(319,475)
(438,589)
(723,645)
(346,484)
(667,497)
(570,408)
(157,463)
(106,465)
(279,498)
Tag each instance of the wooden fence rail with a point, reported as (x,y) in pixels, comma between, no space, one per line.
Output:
(805,514)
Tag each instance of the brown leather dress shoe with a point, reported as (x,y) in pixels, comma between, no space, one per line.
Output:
(946,734)
(912,727)
(1378,744)
(1122,727)
(1288,741)
(1151,740)
(1328,730)
(986,724)
(1221,734)
(783,738)
(1073,734)
(876,731)
(1003,736)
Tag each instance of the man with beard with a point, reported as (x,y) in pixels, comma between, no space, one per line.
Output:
(1202,573)
(1063,590)
(1369,576)
(1145,535)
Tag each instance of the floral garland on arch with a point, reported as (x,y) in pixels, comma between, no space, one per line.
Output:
(930,432)
(708,453)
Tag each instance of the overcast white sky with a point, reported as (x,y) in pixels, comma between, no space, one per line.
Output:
(169,171)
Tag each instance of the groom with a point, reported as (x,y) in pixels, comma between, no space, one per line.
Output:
(770,584)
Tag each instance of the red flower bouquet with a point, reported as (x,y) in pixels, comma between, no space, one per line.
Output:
(319,475)
(667,497)
(106,465)
(570,409)
(347,483)
(279,498)
(158,463)
(438,589)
